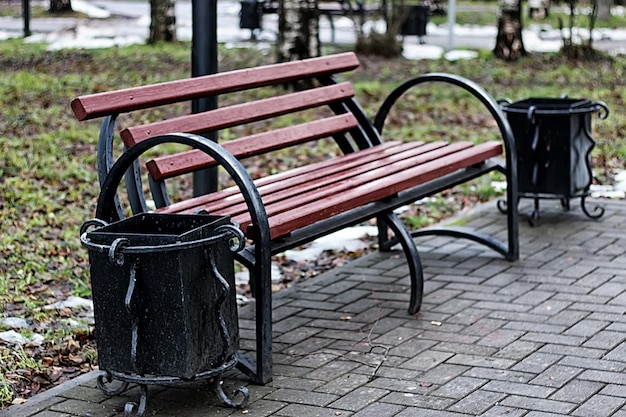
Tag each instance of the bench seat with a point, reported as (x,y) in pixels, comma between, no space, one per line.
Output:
(314,192)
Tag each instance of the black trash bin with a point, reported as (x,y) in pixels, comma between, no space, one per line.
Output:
(251,15)
(415,21)
(554,143)
(164,295)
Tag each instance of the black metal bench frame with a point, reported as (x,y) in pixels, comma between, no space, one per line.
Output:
(257,256)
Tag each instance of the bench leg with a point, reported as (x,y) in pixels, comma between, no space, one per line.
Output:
(261,286)
(405,239)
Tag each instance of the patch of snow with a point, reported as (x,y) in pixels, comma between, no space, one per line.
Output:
(16,322)
(457,55)
(90,10)
(13,338)
(243,277)
(424,51)
(71,302)
(346,239)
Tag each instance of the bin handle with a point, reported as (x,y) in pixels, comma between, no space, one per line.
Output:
(116,257)
(603,111)
(92,222)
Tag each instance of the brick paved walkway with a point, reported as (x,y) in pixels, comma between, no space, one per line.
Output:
(541,337)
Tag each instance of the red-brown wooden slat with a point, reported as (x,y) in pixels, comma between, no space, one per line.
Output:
(282,195)
(240,113)
(173,165)
(314,190)
(130,99)
(283,223)
(328,165)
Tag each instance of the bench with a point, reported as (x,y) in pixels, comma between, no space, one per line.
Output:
(357,11)
(369,178)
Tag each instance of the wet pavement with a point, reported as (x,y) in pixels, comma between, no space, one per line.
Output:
(541,337)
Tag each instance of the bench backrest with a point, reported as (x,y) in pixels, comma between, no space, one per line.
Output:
(346,123)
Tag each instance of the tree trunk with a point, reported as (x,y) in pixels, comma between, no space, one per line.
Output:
(604,10)
(298,30)
(60,6)
(163,21)
(509,44)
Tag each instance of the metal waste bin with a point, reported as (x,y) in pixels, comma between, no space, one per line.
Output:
(415,21)
(164,296)
(554,143)
(251,16)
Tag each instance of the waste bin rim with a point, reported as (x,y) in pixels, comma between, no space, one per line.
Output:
(554,106)
(224,232)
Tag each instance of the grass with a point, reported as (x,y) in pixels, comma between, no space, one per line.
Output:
(48,179)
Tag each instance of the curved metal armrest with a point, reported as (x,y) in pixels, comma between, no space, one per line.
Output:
(109,211)
(477,91)
(503,125)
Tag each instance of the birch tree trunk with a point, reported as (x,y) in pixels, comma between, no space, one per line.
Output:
(298,30)
(162,21)
(60,6)
(509,43)
(604,9)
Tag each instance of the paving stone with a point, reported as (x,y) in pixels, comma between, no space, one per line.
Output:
(300,410)
(577,391)
(556,376)
(599,406)
(426,360)
(294,396)
(417,400)
(599,364)
(48,413)
(442,374)
(290,323)
(500,374)
(572,351)
(297,335)
(79,407)
(538,404)
(499,411)
(332,370)
(379,410)
(537,362)
(518,349)
(477,402)
(412,347)
(501,337)
(515,388)
(459,387)
(605,340)
(419,412)
(470,349)
(554,338)
(406,385)
(481,361)
(345,383)
(359,398)
(604,376)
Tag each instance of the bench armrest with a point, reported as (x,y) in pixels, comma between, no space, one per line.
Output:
(506,133)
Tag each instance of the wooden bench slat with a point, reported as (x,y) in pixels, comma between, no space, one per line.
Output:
(173,165)
(136,98)
(364,155)
(310,191)
(283,223)
(240,113)
(300,189)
